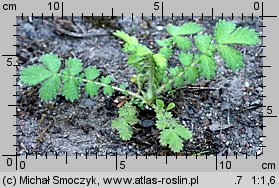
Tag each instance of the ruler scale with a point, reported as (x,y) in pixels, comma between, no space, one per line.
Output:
(149,169)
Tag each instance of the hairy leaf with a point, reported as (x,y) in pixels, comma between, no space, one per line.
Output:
(91,73)
(160,60)
(203,43)
(167,52)
(233,58)
(50,88)
(124,129)
(34,74)
(108,90)
(186,59)
(170,137)
(185,29)
(128,112)
(226,33)
(91,89)
(183,132)
(164,42)
(106,80)
(73,66)
(70,89)
(207,66)
(182,42)
(191,74)
(51,62)
(131,42)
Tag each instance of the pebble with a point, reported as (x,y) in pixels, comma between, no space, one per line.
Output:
(246,84)
(160,28)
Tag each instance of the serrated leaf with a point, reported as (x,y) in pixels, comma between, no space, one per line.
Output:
(91,73)
(160,60)
(124,129)
(142,51)
(233,58)
(169,137)
(170,106)
(167,52)
(183,132)
(182,42)
(73,66)
(34,74)
(226,33)
(175,71)
(70,89)
(186,59)
(161,124)
(191,74)
(108,90)
(91,89)
(207,66)
(164,42)
(223,29)
(50,88)
(185,29)
(131,42)
(243,36)
(128,112)
(203,43)
(51,62)
(106,80)
(178,82)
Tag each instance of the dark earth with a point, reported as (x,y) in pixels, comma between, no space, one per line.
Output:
(222,113)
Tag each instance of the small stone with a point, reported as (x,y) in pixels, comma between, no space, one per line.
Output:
(147,123)
(246,84)
(160,28)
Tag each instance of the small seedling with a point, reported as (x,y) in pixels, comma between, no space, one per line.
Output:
(153,74)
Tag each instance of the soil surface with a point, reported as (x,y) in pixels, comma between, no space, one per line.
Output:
(223,113)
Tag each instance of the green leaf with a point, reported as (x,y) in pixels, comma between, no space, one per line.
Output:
(70,89)
(160,104)
(128,112)
(207,66)
(171,138)
(167,52)
(50,88)
(223,29)
(142,51)
(233,58)
(160,60)
(51,62)
(34,74)
(178,82)
(108,90)
(131,42)
(203,43)
(185,29)
(91,73)
(124,129)
(73,66)
(226,33)
(175,71)
(183,132)
(243,36)
(106,80)
(170,106)
(162,124)
(191,74)
(186,59)
(164,42)
(91,89)
(182,42)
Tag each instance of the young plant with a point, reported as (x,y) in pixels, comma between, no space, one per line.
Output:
(153,75)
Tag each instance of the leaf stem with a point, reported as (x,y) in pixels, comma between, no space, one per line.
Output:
(104,85)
